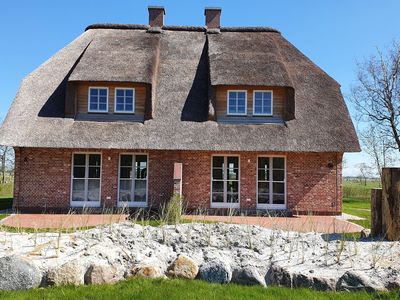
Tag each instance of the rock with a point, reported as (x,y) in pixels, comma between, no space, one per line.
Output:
(147,271)
(365,233)
(70,273)
(318,283)
(357,281)
(248,276)
(216,271)
(183,267)
(102,274)
(17,273)
(277,275)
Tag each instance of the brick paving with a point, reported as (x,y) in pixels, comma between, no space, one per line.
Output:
(63,221)
(323,224)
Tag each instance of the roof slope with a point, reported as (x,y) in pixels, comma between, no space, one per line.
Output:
(177,63)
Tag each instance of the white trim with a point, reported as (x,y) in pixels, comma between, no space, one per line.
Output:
(271,205)
(224,204)
(97,111)
(85,203)
(133,101)
(245,103)
(133,203)
(272,103)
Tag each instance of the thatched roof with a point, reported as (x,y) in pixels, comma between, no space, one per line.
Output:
(180,63)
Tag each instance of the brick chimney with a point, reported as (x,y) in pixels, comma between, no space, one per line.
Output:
(213,18)
(156,16)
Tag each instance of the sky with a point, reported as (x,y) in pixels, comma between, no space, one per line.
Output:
(332,33)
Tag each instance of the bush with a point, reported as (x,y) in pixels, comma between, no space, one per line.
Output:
(172,213)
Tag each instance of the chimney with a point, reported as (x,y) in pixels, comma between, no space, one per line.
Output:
(213,16)
(156,16)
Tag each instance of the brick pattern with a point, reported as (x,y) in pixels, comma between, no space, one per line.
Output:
(43,179)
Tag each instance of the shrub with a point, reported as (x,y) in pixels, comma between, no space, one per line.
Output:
(172,214)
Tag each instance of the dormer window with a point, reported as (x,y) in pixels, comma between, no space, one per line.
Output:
(98,99)
(262,103)
(237,103)
(124,100)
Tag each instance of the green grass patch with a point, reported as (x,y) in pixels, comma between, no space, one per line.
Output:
(185,290)
(6,190)
(359,190)
(359,208)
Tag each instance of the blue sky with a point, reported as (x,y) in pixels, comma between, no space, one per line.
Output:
(332,33)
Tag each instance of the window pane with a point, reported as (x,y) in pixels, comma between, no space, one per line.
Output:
(217,197)
(126,160)
(94,92)
(279,163)
(263,187)
(241,110)
(120,93)
(94,159)
(218,161)
(140,191)
(278,199)
(125,188)
(79,172)
(263,162)
(120,100)
(93,190)
(103,107)
(78,190)
(232,186)
(120,107)
(218,173)
(218,186)
(141,166)
(263,198)
(103,92)
(278,188)
(94,172)
(263,174)
(93,106)
(233,174)
(125,172)
(129,100)
(128,107)
(129,93)
(233,161)
(241,95)
(79,159)
(232,198)
(278,175)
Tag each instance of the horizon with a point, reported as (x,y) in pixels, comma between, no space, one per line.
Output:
(328,33)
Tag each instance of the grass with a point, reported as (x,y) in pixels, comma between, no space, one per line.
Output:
(357,190)
(185,290)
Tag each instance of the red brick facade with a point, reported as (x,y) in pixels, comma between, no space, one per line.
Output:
(43,179)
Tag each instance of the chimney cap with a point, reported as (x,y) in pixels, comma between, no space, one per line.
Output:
(151,7)
(212,8)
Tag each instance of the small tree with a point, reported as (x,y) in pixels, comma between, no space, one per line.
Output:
(6,162)
(365,172)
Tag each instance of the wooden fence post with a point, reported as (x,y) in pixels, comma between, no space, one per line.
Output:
(391,203)
(376,212)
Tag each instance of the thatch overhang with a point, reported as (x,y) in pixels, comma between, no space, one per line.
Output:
(179,70)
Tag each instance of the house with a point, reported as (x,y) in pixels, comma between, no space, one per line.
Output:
(232,117)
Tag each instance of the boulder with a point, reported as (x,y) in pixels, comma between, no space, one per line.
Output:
(183,267)
(357,281)
(102,274)
(147,271)
(365,233)
(216,271)
(277,275)
(248,276)
(320,283)
(70,273)
(18,273)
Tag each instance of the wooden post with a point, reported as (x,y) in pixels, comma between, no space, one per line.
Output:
(178,178)
(376,212)
(391,203)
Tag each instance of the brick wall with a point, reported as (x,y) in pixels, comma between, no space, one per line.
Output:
(43,179)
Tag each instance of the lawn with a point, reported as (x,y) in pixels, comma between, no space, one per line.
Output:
(183,289)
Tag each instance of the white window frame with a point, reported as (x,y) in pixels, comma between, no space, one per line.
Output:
(254,103)
(245,103)
(85,203)
(133,203)
(225,180)
(133,101)
(93,88)
(271,205)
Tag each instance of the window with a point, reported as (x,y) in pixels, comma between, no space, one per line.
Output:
(86,170)
(262,103)
(225,181)
(124,100)
(133,180)
(237,102)
(98,99)
(271,182)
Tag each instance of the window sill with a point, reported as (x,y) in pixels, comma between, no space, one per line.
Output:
(132,204)
(225,205)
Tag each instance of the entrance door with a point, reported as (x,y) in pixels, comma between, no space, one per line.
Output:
(86,180)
